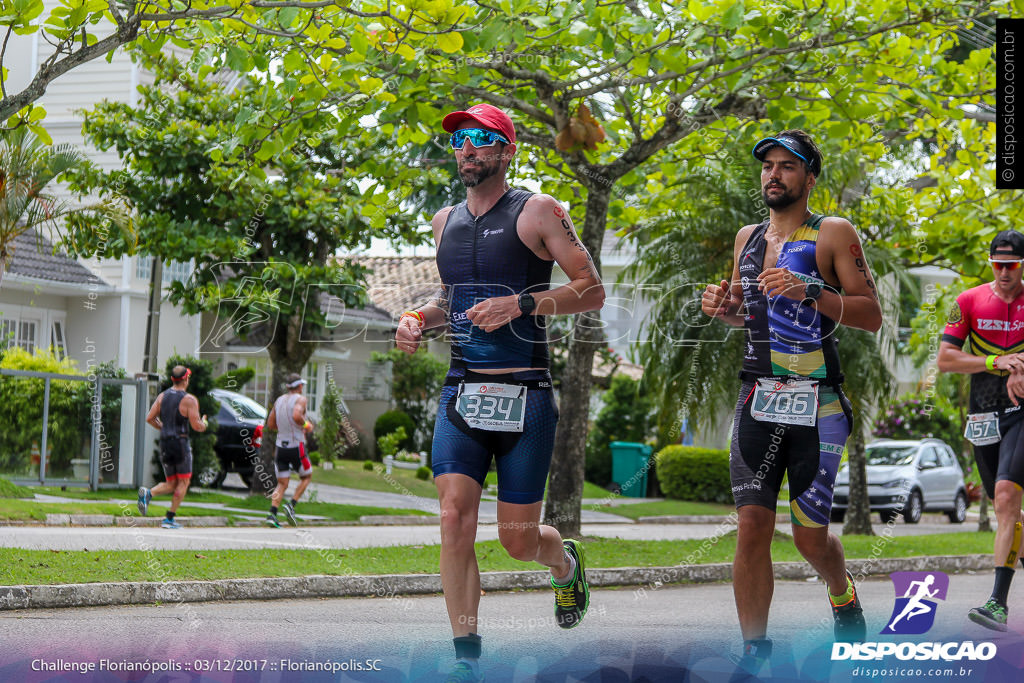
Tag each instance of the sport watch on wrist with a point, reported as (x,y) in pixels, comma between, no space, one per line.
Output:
(812,292)
(527,303)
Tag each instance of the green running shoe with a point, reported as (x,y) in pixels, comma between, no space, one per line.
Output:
(572,600)
(990,615)
(271,520)
(463,673)
(848,618)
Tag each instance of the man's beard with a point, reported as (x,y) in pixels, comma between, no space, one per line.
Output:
(779,201)
(471,177)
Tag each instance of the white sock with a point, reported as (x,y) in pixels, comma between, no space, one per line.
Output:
(562,580)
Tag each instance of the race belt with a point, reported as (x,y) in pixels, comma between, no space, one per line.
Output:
(791,401)
(983,429)
(492,406)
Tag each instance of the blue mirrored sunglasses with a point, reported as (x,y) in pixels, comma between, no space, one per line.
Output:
(478,136)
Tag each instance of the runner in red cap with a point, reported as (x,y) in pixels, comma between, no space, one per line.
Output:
(495,253)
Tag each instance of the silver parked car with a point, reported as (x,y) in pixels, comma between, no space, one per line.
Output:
(908,478)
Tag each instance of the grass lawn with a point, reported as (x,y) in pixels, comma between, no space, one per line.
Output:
(28,510)
(664,507)
(48,566)
(195,495)
(9,490)
(350,473)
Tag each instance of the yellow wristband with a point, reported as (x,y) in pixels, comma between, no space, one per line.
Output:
(417,315)
(990,362)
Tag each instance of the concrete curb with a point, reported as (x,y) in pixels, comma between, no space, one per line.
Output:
(390,585)
(60,519)
(687,519)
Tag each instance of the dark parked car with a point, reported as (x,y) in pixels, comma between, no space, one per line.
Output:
(239,421)
(908,477)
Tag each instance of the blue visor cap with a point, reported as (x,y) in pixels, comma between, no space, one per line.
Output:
(793,145)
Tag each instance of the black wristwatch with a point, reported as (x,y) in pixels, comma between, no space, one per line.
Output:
(527,303)
(812,292)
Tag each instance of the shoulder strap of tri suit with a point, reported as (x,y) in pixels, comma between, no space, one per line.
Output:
(814,221)
(757,232)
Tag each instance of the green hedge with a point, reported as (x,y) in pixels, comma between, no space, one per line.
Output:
(390,422)
(690,473)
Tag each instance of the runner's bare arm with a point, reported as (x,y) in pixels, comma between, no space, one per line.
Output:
(299,411)
(435,311)
(858,306)
(271,422)
(546,229)
(584,291)
(191,406)
(153,417)
(725,300)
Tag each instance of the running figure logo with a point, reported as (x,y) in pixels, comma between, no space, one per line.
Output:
(916,593)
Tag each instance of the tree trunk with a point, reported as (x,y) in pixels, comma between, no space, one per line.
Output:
(858,514)
(156,287)
(984,523)
(565,485)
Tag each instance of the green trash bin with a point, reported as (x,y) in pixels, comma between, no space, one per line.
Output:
(630,466)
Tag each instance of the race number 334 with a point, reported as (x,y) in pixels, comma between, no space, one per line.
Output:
(492,407)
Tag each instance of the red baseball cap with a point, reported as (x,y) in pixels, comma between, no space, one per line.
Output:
(486,115)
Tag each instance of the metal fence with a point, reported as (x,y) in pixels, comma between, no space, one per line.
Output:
(72,430)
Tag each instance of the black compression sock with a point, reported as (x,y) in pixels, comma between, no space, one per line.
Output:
(273,510)
(294,503)
(1001,589)
(468,647)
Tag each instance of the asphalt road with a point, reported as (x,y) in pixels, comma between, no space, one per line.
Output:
(627,636)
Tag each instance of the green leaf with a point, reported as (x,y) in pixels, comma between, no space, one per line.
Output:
(237,59)
(450,42)
(287,16)
(733,17)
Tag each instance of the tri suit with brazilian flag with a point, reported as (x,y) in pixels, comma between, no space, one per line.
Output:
(791,415)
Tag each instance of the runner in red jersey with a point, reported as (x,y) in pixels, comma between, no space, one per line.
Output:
(991,316)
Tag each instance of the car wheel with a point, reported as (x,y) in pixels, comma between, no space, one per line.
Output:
(959,512)
(887,515)
(837,516)
(211,477)
(913,509)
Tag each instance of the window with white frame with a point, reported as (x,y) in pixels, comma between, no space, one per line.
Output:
(309,374)
(27,331)
(57,341)
(8,332)
(173,270)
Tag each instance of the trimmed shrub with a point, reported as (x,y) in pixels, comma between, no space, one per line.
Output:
(691,473)
(423,473)
(389,422)
(368,466)
(315,459)
(234,380)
